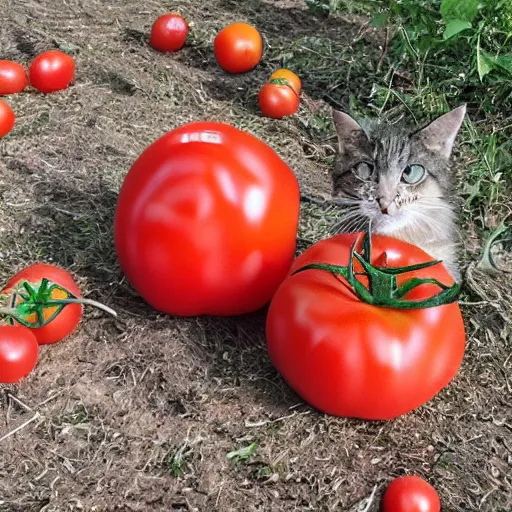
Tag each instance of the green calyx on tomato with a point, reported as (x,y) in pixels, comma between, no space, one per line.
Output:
(281,81)
(35,305)
(383,289)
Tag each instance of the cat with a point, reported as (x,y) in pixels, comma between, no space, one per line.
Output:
(401,180)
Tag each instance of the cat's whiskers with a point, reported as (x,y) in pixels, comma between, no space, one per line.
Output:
(342,201)
(350,221)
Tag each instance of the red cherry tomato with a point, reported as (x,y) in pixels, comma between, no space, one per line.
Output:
(7,119)
(169,33)
(206,221)
(277,100)
(18,353)
(52,71)
(13,78)
(410,494)
(68,318)
(238,48)
(348,357)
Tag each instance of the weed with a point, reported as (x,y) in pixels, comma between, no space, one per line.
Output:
(178,461)
(242,454)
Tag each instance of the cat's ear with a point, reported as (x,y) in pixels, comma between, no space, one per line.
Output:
(439,136)
(348,130)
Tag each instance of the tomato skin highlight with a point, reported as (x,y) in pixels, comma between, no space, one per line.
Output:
(278,101)
(293,80)
(13,77)
(410,494)
(169,33)
(352,359)
(7,119)
(51,71)
(18,353)
(238,48)
(206,221)
(69,318)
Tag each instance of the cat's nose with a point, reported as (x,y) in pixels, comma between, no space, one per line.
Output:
(383,205)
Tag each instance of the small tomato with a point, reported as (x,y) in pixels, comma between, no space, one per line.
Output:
(278,99)
(293,80)
(7,119)
(68,318)
(410,494)
(13,77)
(18,353)
(169,33)
(52,71)
(238,48)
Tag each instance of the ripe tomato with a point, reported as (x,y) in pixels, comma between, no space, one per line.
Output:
(52,71)
(238,48)
(410,494)
(13,78)
(206,221)
(7,119)
(351,358)
(277,100)
(292,79)
(169,33)
(68,318)
(18,353)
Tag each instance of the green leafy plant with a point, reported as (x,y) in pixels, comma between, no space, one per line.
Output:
(243,453)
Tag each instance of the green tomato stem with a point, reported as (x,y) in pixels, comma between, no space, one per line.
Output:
(90,302)
(383,289)
(33,298)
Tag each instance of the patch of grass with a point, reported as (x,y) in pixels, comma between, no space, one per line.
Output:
(78,415)
(177,461)
(243,453)
(437,55)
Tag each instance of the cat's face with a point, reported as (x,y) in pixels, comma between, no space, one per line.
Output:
(392,175)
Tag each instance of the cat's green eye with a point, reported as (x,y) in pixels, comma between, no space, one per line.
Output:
(364,171)
(413,174)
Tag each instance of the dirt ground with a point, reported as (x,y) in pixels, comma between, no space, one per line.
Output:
(139,413)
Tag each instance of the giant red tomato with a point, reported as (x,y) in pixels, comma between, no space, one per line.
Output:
(353,358)
(238,48)
(206,221)
(68,318)
(52,71)
(13,78)
(410,494)
(7,119)
(18,353)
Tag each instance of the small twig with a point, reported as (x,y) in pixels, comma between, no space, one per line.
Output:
(370,499)
(218,495)
(384,50)
(22,426)
(19,402)
(49,399)
(262,423)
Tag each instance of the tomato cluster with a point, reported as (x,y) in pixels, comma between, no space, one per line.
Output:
(41,305)
(238,48)
(50,71)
